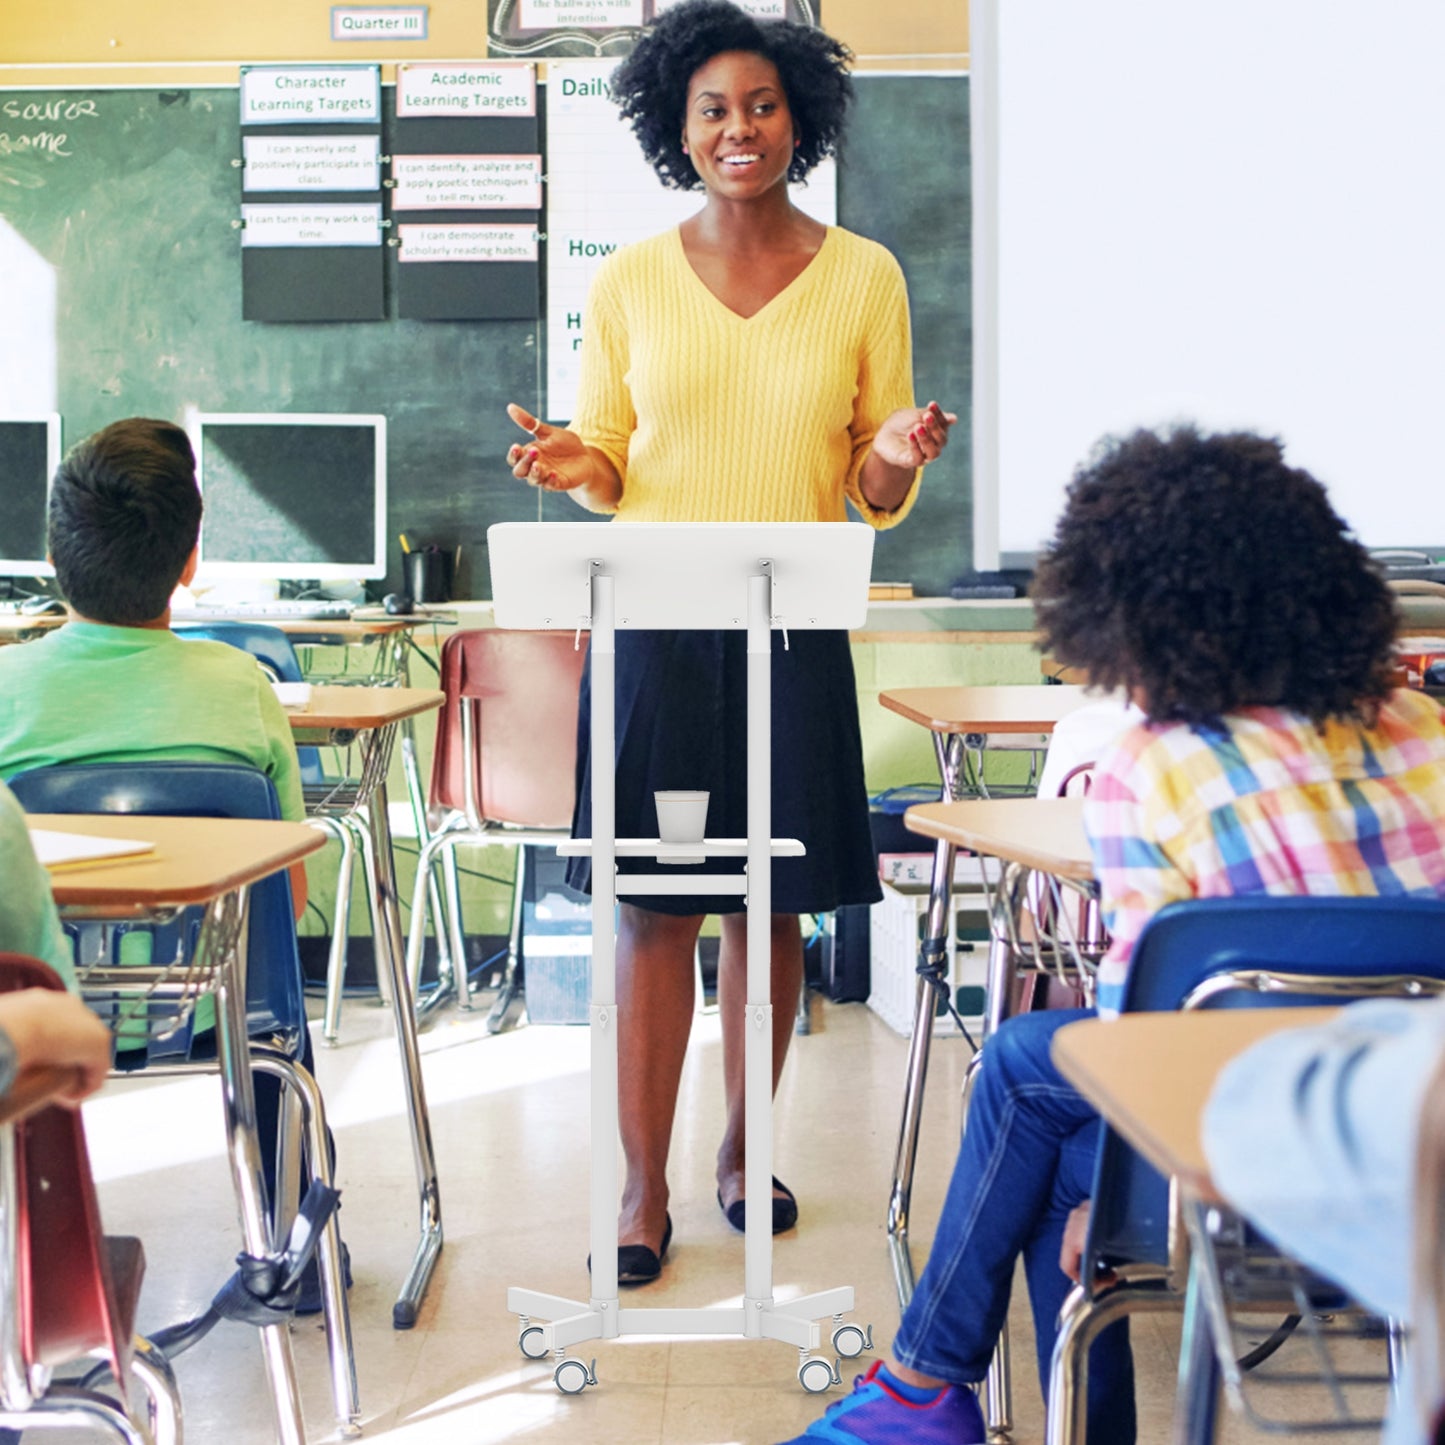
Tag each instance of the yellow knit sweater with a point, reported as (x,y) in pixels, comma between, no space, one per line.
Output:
(713,417)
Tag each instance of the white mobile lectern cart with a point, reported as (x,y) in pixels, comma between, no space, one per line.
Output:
(606,576)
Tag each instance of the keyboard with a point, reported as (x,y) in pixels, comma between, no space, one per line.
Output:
(285,609)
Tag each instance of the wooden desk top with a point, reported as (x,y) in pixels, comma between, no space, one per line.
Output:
(1042,833)
(195,859)
(1026,708)
(362,708)
(1150,1075)
(360,624)
(17,625)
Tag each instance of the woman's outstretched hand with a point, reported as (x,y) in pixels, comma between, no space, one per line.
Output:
(553,458)
(913,436)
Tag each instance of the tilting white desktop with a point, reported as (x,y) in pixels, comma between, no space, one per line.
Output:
(602,577)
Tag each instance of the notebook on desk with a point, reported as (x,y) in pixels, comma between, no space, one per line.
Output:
(58,850)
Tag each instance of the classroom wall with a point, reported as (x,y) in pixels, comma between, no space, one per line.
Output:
(915,34)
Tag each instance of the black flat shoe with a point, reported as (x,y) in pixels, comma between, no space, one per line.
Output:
(785,1210)
(636,1263)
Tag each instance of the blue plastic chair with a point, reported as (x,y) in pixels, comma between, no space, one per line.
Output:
(1249,952)
(275,1004)
(275,1001)
(274,651)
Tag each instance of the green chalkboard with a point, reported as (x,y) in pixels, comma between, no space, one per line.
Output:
(129,198)
(904,181)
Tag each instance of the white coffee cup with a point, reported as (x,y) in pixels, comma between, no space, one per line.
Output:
(681,816)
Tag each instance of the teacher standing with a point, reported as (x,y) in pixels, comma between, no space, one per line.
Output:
(751,365)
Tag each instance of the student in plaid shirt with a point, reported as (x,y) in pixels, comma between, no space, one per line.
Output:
(1216,586)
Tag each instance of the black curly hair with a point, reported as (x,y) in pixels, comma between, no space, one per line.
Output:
(650,86)
(1204,574)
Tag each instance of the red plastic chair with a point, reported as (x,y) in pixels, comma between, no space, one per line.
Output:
(67,1291)
(503,772)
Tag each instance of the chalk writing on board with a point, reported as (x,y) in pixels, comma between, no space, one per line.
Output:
(47,112)
(60,108)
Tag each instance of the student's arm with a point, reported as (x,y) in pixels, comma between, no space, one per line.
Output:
(44,1029)
(1312,1135)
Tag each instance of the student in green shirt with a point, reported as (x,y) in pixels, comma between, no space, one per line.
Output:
(115,684)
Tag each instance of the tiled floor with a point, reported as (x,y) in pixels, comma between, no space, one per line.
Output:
(509,1117)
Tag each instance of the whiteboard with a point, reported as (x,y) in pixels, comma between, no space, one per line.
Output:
(601,194)
(1226,211)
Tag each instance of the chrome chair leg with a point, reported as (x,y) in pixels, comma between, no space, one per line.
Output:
(417,801)
(1080,1322)
(454,922)
(998,1392)
(336,1309)
(290,1126)
(163,1398)
(452,890)
(509,987)
(1397,1342)
(340,918)
(361,832)
(1197,1398)
(63,1408)
(423,904)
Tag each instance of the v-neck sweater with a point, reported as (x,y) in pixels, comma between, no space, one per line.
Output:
(710,416)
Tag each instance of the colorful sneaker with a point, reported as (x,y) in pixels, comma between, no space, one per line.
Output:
(875,1414)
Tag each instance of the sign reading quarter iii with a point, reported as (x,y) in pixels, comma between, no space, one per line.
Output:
(378,22)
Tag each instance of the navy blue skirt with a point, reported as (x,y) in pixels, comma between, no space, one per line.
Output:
(682,723)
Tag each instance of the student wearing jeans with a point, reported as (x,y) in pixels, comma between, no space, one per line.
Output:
(1215,584)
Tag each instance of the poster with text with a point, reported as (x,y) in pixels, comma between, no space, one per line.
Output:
(601,195)
(593,28)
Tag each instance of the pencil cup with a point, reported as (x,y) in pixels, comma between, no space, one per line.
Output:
(681,818)
(429,575)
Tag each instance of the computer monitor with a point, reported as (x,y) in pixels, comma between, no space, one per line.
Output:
(291,497)
(29,455)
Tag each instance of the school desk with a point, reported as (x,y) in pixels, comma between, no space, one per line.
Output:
(961,721)
(211,862)
(1042,917)
(369,717)
(1150,1076)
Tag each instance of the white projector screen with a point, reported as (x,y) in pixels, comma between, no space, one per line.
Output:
(1225,211)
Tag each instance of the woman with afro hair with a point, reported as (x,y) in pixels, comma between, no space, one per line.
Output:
(750,365)
(1215,585)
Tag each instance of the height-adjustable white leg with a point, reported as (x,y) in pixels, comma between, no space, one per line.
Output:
(758,1032)
(603,1013)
